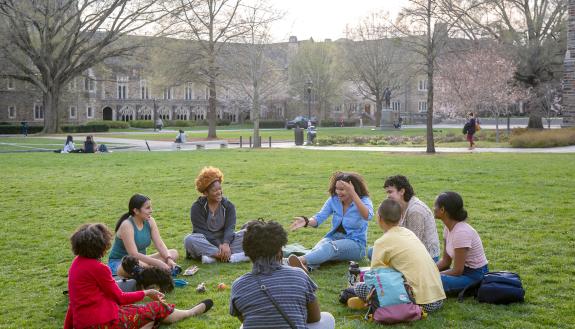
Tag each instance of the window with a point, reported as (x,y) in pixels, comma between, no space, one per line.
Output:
(11,112)
(10,83)
(73,85)
(422,86)
(396,106)
(168,93)
(89,112)
(89,84)
(38,111)
(207,92)
(122,83)
(72,112)
(189,93)
(422,107)
(144,91)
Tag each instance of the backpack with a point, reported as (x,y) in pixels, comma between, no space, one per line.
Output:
(496,288)
(465,128)
(102,148)
(389,300)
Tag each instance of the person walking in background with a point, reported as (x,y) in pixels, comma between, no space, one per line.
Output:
(274,295)
(470,129)
(213,222)
(159,124)
(351,208)
(24,128)
(96,301)
(463,247)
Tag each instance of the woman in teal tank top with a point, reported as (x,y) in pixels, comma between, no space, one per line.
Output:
(135,231)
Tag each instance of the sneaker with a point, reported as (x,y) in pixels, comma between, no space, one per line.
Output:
(294,261)
(208,260)
(239,257)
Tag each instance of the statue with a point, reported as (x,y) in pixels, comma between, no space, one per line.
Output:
(387,97)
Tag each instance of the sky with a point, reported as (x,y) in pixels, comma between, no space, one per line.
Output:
(323,19)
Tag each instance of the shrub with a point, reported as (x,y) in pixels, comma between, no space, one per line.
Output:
(16,129)
(272,124)
(110,124)
(85,128)
(332,123)
(179,123)
(223,122)
(142,123)
(543,138)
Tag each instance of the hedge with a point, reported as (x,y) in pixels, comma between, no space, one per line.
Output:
(142,123)
(111,124)
(332,123)
(535,138)
(86,129)
(272,124)
(11,129)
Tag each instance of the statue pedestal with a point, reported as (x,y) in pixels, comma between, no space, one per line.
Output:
(386,122)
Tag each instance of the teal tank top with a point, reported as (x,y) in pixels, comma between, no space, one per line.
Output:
(143,239)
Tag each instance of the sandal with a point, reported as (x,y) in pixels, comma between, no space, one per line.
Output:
(191,270)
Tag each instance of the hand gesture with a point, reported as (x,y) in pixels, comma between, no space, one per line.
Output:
(155,295)
(297,223)
(225,252)
(347,186)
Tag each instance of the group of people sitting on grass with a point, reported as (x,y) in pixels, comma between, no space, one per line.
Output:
(278,292)
(89,146)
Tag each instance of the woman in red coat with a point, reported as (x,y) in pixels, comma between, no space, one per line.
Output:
(95,299)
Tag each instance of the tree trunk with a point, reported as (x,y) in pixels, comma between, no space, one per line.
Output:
(534,118)
(51,100)
(256,116)
(212,115)
(430,141)
(378,109)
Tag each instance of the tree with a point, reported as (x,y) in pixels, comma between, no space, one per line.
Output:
(426,29)
(481,77)
(535,30)
(375,58)
(252,67)
(51,42)
(315,63)
(213,24)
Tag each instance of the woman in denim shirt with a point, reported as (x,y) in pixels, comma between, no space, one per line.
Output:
(351,209)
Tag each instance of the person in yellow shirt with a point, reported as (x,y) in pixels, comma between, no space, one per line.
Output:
(400,249)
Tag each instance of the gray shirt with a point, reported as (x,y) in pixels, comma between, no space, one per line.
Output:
(216,220)
(419,219)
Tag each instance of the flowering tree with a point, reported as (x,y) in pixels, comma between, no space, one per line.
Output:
(480,77)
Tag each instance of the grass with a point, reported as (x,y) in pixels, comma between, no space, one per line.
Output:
(29,143)
(543,138)
(522,206)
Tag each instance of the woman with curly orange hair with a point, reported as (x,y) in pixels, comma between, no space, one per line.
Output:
(213,222)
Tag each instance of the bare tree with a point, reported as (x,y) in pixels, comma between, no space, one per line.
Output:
(376,60)
(213,24)
(535,30)
(315,63)
(254,68)
(52,41)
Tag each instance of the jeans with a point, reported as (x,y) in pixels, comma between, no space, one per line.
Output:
(335,248)
(454,284)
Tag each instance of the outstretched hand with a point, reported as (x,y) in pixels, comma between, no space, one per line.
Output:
(298,222)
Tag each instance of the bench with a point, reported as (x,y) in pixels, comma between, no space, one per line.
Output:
(200,145)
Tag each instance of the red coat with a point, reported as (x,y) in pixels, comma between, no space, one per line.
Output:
(94,294)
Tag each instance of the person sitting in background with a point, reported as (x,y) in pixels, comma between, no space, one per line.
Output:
(462,248)
(89,145)
(288,290)
(400,249)
(97,302)
(69,146)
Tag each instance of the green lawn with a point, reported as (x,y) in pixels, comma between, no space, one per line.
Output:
(522,206)
(30,143)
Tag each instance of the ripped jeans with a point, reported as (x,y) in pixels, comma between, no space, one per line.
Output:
(335,248)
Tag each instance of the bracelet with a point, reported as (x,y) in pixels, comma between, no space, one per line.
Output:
(306,221)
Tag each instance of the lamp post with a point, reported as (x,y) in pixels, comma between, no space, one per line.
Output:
(308,86)
(155,114)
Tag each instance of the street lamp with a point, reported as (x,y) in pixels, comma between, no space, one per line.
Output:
(308,86)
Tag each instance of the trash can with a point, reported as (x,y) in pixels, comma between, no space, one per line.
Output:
(311,134)
(298,133)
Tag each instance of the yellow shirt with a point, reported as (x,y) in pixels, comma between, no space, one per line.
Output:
(400,249)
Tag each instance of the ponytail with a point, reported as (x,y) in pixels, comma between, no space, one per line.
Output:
(121,220)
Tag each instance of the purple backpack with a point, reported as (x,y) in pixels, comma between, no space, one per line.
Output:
(397,313)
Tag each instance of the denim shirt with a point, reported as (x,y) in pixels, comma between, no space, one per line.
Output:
(355,226)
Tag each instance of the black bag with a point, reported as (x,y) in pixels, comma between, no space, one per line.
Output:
(465,128)
(496,288)
(126,285)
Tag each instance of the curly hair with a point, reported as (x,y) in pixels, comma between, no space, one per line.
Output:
(148,277)
(207,176)
(263,239)
(400,182)
(355,179)
(91,240)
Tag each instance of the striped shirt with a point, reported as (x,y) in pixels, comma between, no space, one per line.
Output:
(291,288)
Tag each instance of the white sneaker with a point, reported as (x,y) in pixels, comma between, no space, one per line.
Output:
(208,259)
(239,257)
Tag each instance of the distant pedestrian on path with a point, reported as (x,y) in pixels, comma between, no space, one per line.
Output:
(159,124)
(24,128)
(470,130)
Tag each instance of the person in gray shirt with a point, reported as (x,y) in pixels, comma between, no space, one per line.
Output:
(213,220)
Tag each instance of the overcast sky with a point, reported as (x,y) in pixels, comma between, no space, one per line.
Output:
(323,19)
